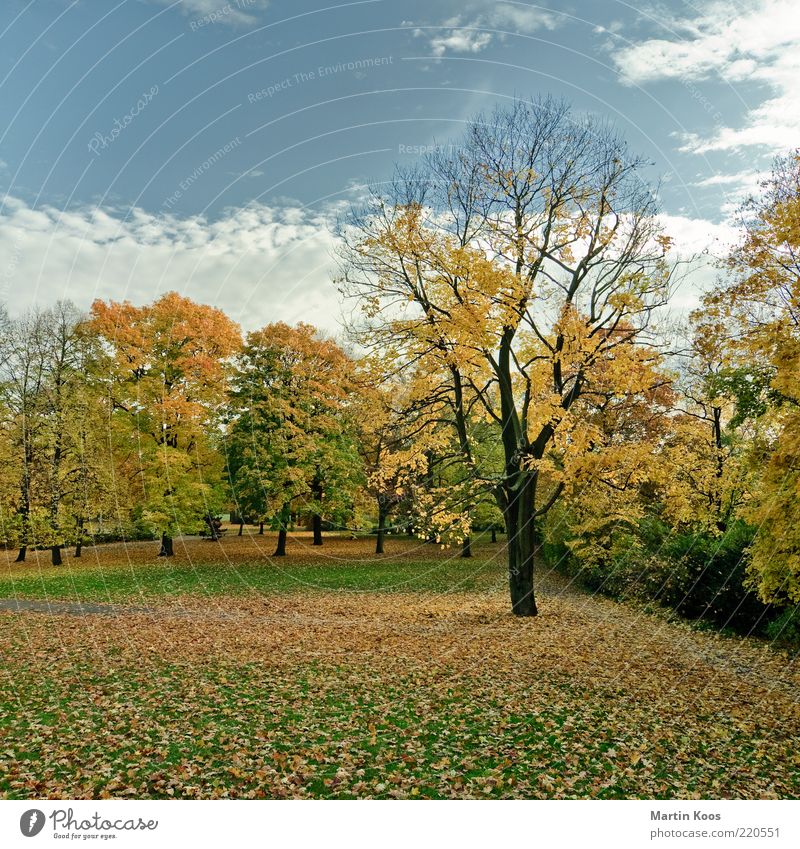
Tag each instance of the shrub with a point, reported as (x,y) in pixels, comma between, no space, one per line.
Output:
(785,628)
(702,576)
(714,584)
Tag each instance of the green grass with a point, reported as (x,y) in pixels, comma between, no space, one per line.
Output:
(119,581)
(167,579)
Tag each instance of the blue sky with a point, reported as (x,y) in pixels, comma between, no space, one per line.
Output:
(202,145)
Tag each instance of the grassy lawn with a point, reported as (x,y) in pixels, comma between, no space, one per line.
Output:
(332,673)
(242,565)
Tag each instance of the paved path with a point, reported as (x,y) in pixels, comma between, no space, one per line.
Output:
(76,607)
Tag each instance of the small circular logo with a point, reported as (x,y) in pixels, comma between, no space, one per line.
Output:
(31,822)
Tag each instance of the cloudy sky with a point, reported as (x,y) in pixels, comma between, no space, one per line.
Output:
(201,145)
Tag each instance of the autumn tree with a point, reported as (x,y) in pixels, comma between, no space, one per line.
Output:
(69,411)
(412,461)
(754,315)
(292,436)
(90,487)
(628,471)
(48,407)
(31,368)
(164,369)
(513,266)
(719,406)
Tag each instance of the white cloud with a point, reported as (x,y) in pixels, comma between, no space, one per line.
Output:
(698,244)
(741,178)
(732,190)
(755,41)
(520,17)
(472,37)
(736,187)
(258,263)
(697,235)
(459,41)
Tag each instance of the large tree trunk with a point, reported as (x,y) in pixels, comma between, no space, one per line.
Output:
(23,550)
(381,527)
(167,549)
(523,545)
(518,498)
(280,551)
(520,578)
(261,529)
(55,555)
(466,547)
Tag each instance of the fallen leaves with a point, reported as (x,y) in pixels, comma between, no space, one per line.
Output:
(393,695)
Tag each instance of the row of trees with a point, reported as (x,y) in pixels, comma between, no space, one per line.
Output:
(508,370)
(133,421)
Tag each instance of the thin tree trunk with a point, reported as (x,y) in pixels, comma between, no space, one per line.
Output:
(241,529)
(280,551)
(261,529)
(722,525)
(25,536)
(317,524)
(494,534)
(55,495)
(25,506)
(167,549)
(316,488)
(466,547)
(79,541)
(381,527)
(213,527)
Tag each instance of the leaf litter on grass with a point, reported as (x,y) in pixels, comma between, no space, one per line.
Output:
(401,695)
